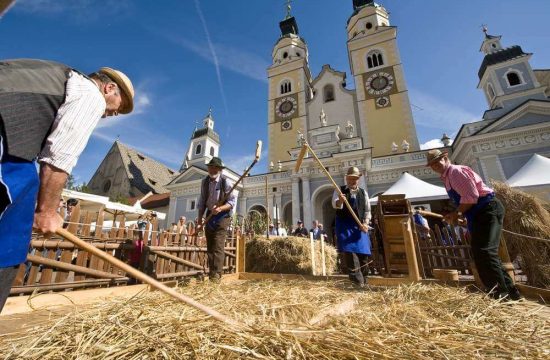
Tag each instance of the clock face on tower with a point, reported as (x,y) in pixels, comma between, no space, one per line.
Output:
(286,107)
(379,83)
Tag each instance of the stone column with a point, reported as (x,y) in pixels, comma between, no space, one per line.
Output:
(307,202)
(243,207)
(295,199)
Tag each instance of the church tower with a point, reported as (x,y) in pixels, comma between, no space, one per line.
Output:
(289,90)
(382,96)
(505,75)
(204,144)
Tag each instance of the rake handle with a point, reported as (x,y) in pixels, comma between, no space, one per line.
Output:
(143,277)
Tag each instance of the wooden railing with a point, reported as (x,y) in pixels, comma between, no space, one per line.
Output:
(55,264)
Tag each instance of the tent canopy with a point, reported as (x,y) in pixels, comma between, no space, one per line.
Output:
(93,203)
(414,189)
(535,172)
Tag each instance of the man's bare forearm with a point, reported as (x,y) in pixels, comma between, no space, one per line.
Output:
(52,181)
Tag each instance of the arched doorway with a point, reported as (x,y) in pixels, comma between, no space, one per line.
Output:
(287,215)
(323,210)
(256,219)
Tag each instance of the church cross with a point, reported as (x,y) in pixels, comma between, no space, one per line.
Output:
(288,8)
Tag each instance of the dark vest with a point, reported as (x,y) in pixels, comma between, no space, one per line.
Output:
(205,186)
(31,92)
(360,204)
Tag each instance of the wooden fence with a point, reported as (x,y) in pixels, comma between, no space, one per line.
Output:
(56,264)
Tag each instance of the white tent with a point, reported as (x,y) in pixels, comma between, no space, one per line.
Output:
(414,189)
(533,177)
(90,202)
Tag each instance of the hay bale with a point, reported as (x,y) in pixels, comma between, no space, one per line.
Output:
(525,214)
(290,255)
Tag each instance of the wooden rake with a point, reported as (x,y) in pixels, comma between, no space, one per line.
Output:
(145,278)
(303,151)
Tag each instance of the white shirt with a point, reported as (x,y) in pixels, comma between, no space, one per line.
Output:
(74,123)
(366,215)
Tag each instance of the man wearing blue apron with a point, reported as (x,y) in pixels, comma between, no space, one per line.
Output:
(353,240)
(476,202)
(47,113)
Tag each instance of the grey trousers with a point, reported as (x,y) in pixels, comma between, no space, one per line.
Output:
(7,275)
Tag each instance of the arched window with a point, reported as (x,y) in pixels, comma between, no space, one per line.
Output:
(490,92)
(328,93)
(513,78)
(286,87)
(198,149)
(374,59)
(211,151)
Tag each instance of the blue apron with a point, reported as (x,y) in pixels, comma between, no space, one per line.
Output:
(469,215)
(349,236)
(18,190)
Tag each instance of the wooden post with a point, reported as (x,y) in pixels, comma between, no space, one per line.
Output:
(241,264)
(323,263)
(312,253)
(410,251)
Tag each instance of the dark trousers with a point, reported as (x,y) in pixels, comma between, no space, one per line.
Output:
(357,267)
(486,231)
(7,275)
(215,244)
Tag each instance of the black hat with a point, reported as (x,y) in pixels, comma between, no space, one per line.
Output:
(300,221)
(419,207)
(216,161)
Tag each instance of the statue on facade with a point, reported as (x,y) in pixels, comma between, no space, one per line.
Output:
(300,139)
(323,117)
(405,146)
(349,129)
(394,147)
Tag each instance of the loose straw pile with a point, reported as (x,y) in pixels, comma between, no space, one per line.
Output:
(296,320)
(526,215)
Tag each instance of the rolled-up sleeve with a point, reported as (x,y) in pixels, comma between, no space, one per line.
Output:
(335,197)
(367,214)
(231,197)
(74,123)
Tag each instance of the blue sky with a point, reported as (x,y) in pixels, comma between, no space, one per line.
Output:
(185,56)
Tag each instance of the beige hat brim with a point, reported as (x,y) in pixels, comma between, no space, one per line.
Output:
(125,86)
(436,158)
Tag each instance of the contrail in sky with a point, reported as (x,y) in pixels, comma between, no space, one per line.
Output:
(213,51)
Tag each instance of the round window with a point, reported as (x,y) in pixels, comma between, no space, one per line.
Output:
(369,25)
(285,55)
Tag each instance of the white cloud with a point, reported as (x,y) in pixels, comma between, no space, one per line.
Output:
(239,61)
(434,113)
(431,144)
(240,162)
(212,52)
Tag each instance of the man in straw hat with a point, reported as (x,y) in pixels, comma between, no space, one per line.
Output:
(476,202)
(352,240)
(47,112)
(215,187)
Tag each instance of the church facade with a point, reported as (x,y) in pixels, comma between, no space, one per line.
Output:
(370,127)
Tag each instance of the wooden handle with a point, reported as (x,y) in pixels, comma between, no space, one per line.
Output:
(306,145)
(429,213)
(258,150)
(300,158)
(143,277)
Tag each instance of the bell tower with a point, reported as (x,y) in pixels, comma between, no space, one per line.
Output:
(289,88)
(382,96)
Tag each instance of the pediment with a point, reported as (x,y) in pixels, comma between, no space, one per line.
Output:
(191,174)
(527,114)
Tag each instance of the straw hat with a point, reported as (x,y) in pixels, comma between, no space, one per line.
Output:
(434,155)
(216,161)
(125,86)
(353,172)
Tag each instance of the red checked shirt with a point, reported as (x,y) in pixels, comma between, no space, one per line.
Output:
(466,183)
